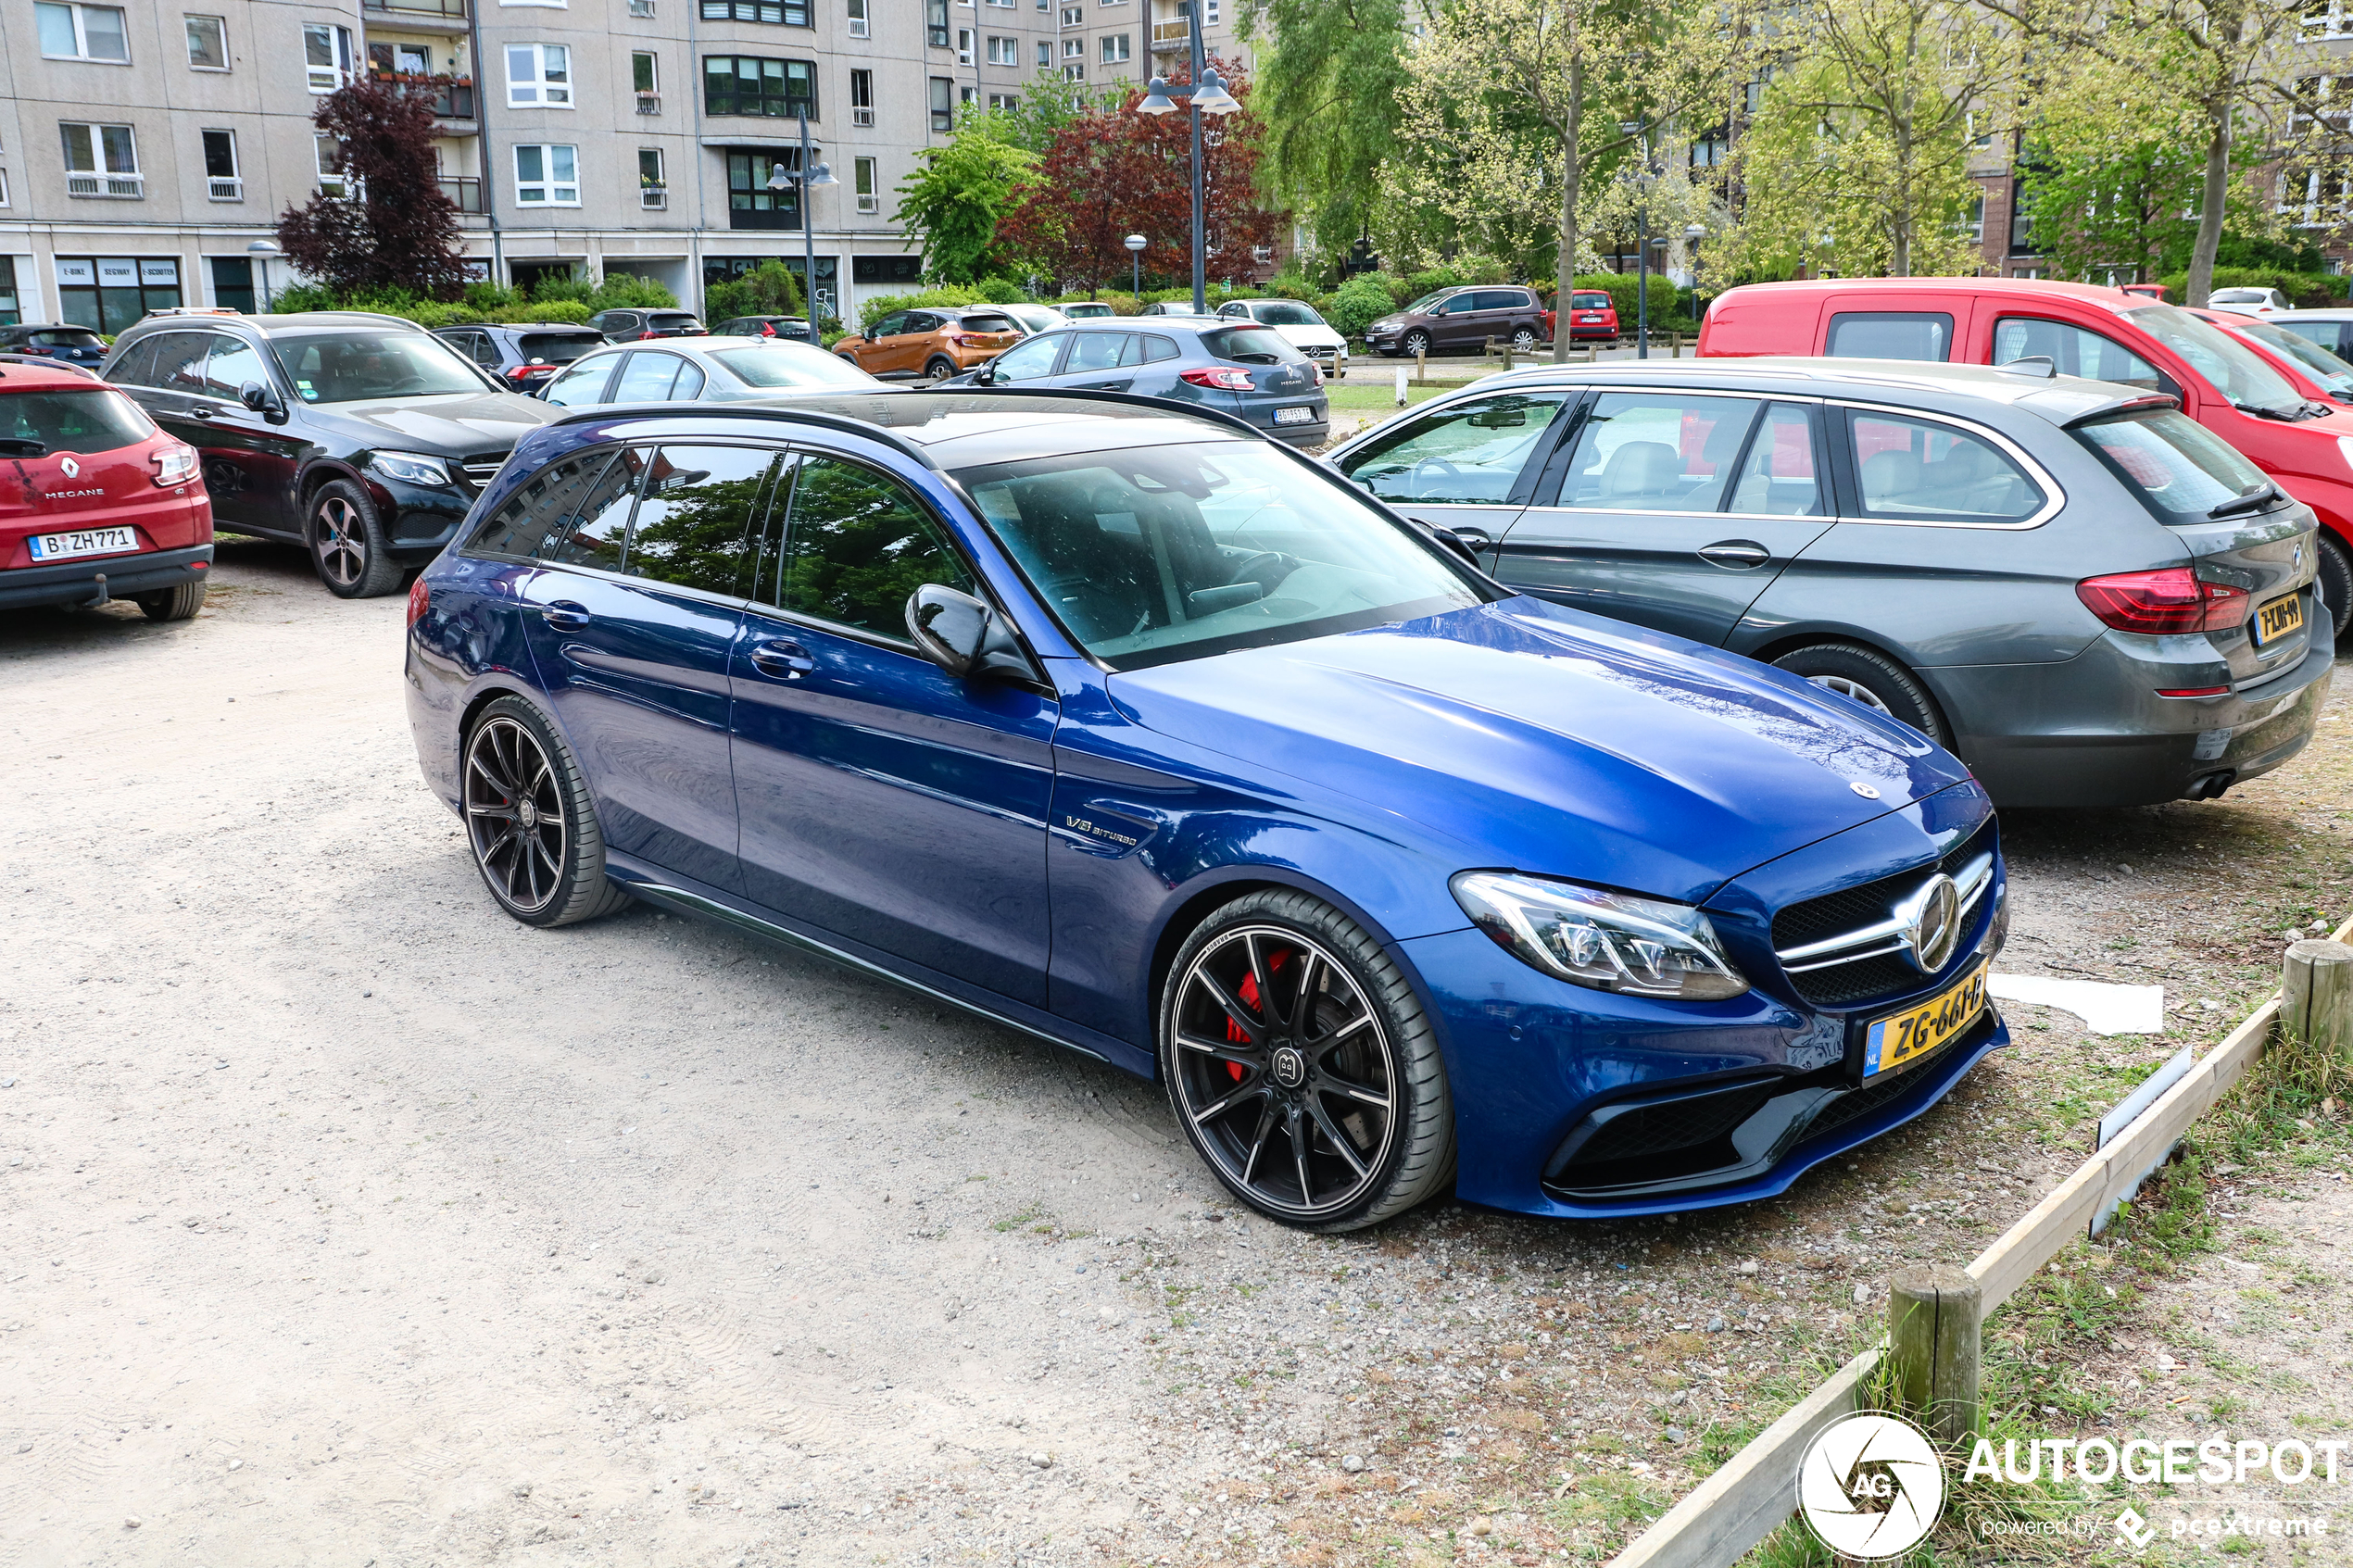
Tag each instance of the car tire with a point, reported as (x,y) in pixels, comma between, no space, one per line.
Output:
(1524,341)
(939,368)
(1358,1065)
(1415,342)
(1872,679)
(180,602)
(530,821)
(347,543)
(2334,572)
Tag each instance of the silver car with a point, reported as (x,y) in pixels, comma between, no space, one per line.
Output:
(709,369)
(2070,584)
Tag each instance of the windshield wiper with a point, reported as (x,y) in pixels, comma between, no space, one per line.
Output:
(2262,412)
(2253,498)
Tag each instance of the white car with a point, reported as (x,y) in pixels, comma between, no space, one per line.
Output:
(1298,325)
(2261,303)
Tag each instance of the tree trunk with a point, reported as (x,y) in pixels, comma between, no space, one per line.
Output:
(1565,270)
(2209,211)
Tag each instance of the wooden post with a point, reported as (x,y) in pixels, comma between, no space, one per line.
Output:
(1934,1314)
(1508,356)
(1677,352)
(2316,994)
(1421,368)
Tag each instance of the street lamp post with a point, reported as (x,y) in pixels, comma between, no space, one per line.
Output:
(1205,95)
(805,177)
(1135,244)
(1640,129)
(261,251)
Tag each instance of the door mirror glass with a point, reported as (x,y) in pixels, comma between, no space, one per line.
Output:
(963,635)
(257,397)
(1470,454)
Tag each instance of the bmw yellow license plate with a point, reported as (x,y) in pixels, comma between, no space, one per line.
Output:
(1900,1039)
(2279,618)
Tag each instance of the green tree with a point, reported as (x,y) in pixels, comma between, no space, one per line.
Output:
(1330,76)
(771,289)
(2110,168)
(954,200)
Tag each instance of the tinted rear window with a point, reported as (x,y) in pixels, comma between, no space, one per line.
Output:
(990,324)
(2169,461)
(1251,345)
(1589,302)
(557,348)
(68,420)
(69,339)
(1891,334)
(669,319)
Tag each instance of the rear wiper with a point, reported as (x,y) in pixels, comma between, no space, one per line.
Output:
(2253,498)
(18,446)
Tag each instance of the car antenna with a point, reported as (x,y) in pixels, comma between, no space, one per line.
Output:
(2041,366)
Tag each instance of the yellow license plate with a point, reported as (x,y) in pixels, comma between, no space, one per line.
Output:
(1901,1039)
(2279,616)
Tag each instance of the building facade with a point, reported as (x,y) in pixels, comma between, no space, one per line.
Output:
(145,145)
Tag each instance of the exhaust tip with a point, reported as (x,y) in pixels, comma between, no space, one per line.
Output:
(2209,786)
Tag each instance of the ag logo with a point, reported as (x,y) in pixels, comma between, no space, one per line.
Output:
(1871,1486)
(73,470)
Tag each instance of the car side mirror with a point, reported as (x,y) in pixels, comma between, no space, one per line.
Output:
(964,636)
(257,397)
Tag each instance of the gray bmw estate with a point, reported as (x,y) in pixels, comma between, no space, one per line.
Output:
(2089,597)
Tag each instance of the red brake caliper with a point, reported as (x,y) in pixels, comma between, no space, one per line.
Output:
(1248,992)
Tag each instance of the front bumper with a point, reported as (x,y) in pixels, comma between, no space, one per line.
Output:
(122,577)
(419,519)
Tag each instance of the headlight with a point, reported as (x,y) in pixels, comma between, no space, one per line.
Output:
(2345,450)
(1609,941)
(412,468)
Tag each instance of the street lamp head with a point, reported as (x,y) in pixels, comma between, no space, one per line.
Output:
(778,179)
(264,249)
(1695,230)
(1211,97)
(1156,99)
(1135,242)
(823,175)
(1629,127)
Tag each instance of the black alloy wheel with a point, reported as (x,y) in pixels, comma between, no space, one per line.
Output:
(1300,1066)
(347,544)
(2334,573)
(530,821)
(1868,677)
(941,368)
(1416,342)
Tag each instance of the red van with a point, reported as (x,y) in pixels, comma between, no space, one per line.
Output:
(2105,334)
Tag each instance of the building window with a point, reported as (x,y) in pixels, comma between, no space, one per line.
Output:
(8,296)
(857,24)
(775,13)
(1073,16)
(749,85)
(964,46)
(1114,48)
(102,160)
(653,186)
(1976,218)
(1074,48)
(936,23)
(1007,5)
(327,155)
(221,180)
(2021,223)
(108,294)
(943,105)
(82,32)
(645,71)
(1045,54)
(1076,71)
(538,75)
(1004,51)
(547,176)
(861,97)
(2326,19)
(1006,101)
(10,313)
(1209,13)
(326,53)
(868,186)
(207,43)
(752,203)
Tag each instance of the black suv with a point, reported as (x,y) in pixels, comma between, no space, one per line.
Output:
(637,326)
(524,356)
(363,437)
(72,346)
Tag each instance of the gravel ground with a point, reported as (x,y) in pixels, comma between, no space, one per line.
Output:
(641,1243)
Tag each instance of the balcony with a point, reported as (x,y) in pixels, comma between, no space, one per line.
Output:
(231,189)
(863,117)
(463,189)
(654,198)
(126,187)
(648,103)
(438,16)
(1168,36)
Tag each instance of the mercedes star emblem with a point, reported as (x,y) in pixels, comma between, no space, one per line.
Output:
(1929,922)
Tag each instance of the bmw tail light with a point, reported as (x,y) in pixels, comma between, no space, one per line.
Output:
(2170,600)
(174,465)
(420,599)
(647,336)
(1221,378)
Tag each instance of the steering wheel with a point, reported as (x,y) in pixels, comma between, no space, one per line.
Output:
(1267,568)
(1413,475)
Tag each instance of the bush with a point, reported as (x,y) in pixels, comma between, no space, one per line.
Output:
(1430,282)
(1357,304)
(1476,269)
(1002,291)
(771,289)
(298,297)
(568,310)
(2303,290)
(628,291)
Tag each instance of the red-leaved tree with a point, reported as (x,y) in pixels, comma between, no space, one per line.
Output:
(1114,173)
(394,225)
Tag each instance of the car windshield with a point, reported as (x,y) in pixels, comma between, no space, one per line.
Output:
(2169,461)
(556,348)
(1288,313)
(790,364)
(2317,362)
(1428,303)
(2232,369)
(71,419)
(355,367)
(1154,555)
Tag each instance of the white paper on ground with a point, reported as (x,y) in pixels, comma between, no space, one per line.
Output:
(2106,1009)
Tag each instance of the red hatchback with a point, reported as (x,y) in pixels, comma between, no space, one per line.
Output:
(1593,316)
(95,502)
(2078,329)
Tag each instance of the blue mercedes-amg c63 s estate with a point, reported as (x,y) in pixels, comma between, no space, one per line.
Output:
(1126,726)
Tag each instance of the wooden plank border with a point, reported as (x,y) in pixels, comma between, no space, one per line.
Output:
(1729,1514)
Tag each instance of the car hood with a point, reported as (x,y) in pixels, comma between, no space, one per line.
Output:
(452,426)
(1301,336)
(1546,740)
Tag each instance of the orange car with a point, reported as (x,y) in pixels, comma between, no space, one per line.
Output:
(931,343)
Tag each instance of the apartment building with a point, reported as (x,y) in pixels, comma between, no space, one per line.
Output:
(145,145)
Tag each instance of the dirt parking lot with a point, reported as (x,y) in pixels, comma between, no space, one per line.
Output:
(344,1219)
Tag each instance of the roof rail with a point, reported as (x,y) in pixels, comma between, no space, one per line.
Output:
(48,364)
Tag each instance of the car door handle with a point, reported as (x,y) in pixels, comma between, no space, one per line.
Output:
(782,657)
(1738,555)
(1477,538)
(202,410)
(564,615)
